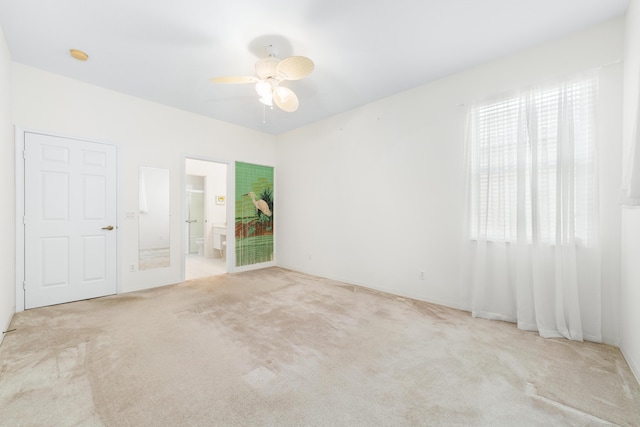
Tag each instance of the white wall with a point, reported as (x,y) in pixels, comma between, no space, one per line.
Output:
(7,185)
(147,134)
(609,153)
(376,195)
(630,293)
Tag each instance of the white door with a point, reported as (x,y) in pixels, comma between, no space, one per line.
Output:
(70,220)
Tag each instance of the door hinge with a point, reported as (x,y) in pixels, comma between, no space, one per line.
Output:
(24,154)
(24,285)
(24,219)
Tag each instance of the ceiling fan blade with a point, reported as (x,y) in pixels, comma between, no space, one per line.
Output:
(295,67)
(234,79)
(284,98)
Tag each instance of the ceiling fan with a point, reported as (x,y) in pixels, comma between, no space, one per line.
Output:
(271,73)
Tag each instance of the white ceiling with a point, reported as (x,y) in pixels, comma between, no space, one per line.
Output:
(166,50)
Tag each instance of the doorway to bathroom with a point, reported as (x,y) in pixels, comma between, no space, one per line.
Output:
(205,213)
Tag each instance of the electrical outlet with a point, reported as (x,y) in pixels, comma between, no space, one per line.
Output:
(421,274)
(132,267)
(130,215)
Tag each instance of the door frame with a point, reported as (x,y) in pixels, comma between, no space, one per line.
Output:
(187,231)
(230,203)
(20,213)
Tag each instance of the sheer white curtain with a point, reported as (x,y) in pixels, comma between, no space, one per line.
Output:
(533,211)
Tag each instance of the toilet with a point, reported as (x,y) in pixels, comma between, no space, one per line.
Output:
(200,244)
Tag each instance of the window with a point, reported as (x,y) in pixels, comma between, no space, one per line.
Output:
(532,166)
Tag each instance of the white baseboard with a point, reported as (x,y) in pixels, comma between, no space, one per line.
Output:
(394,292)
(633,364)
(6,325)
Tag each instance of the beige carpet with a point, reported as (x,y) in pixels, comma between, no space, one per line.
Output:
(279,348)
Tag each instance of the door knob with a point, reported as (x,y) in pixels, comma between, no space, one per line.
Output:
(108,227)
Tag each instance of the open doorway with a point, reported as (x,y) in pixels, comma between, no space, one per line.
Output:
(205,228)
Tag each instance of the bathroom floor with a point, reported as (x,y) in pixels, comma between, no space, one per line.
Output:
(197,266)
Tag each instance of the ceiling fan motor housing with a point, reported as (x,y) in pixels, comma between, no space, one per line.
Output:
(267,67)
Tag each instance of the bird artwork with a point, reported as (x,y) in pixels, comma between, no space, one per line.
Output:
(261,205)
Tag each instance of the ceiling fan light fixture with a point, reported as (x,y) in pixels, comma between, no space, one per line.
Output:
(263,87)
(267,100)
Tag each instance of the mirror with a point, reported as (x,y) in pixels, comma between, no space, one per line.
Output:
(153,218)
